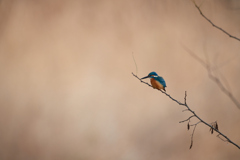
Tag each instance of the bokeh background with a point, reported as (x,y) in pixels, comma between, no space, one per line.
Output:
(67,90)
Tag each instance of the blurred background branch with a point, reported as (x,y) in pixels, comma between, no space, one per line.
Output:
(213,76)
(213,126)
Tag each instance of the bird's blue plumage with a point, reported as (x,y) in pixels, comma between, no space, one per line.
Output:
(160,80)
(152,74)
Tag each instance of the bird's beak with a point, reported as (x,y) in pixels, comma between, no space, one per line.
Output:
(145,77)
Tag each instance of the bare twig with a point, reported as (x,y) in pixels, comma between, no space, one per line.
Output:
(184,110)
(135,64)
(196,123)
(213,23)
(193,113)
(224,140)
(187,119)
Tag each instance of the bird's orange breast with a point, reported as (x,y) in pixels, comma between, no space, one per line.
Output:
(156,84)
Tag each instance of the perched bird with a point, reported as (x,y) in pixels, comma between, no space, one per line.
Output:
(156,81)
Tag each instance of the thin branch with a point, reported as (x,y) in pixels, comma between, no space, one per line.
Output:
(224,140)
(190,110)
(135,64)
(187,119)
(196,123)
(214,24)
(184,110)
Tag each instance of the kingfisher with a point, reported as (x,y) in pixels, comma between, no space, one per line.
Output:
(156,81)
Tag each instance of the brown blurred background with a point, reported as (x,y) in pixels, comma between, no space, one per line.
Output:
(67,92)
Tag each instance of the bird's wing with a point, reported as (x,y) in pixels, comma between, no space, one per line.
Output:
(161,80)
